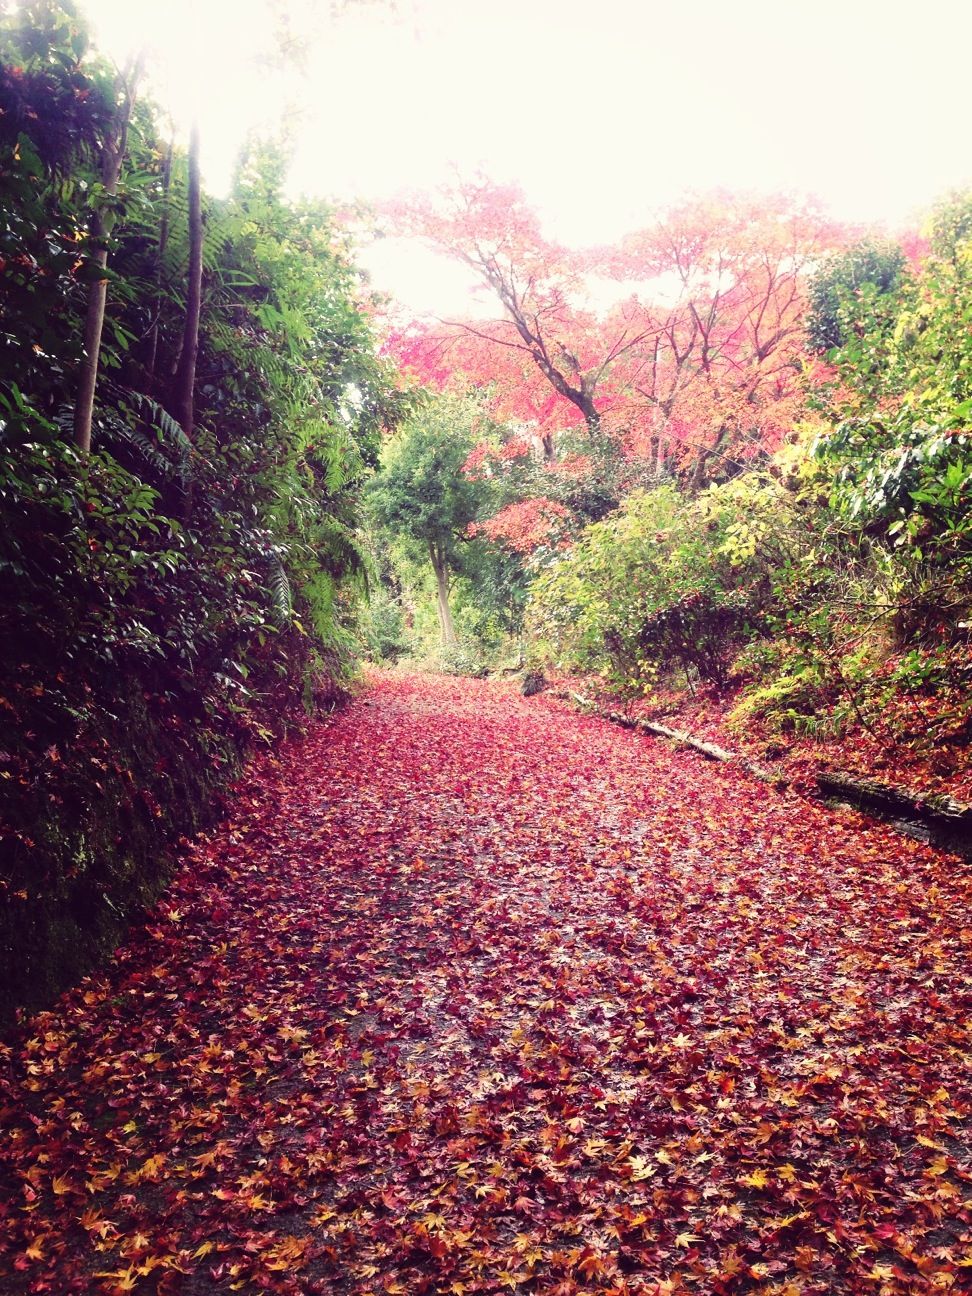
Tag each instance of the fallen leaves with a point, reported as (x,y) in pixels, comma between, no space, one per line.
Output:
(475,995)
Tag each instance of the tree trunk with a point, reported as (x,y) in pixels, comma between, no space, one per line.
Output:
(153,351)
(700,475)
(101,224)
(185,377)
(441,569)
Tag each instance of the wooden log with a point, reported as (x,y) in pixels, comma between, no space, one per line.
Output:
(937,811)
(711,751)
(949,821)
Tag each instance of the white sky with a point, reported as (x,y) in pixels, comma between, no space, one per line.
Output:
(602,111)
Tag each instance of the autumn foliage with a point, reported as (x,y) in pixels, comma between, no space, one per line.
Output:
(682,343)
(525,525)
(475,995)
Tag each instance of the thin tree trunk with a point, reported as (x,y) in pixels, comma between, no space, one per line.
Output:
(153,353)
(185,378)
(441,569)
(101,225)
(700,474)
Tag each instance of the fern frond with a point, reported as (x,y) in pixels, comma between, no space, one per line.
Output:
(281,596)
(115,430)
(161,420)
(130,418)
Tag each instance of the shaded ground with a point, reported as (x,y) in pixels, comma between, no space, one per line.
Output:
(475,995)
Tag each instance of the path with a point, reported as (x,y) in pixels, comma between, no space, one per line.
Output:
(477,995)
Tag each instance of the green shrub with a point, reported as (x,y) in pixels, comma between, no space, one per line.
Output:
(463,658)
(667,584)
(167,601)
(382,626)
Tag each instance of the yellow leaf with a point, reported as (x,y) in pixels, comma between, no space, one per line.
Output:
(642,1168)
(732,1264)
(123,1279)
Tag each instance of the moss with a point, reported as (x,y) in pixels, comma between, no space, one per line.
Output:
(780,703)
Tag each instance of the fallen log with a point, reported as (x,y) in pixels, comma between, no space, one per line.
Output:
(711,751)
(949,822)
(947,817)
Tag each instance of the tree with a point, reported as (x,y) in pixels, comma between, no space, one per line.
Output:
(456,356)
(690,355)
(549,318)
(102,220)
(423,492)
(723,377)
(185,376)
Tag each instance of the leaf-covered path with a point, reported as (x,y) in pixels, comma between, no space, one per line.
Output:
(476,995)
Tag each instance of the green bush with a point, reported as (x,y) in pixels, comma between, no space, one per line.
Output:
(666,585)
(463,658)
(382,626)
(168,600)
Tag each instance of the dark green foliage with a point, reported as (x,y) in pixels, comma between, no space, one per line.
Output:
(846,290)
(383,625)
(422,491)
(167,601)
(697,631)
(45,95)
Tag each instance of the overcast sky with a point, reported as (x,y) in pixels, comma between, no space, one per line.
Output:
(602,111)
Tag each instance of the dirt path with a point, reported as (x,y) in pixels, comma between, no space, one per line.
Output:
(476,995)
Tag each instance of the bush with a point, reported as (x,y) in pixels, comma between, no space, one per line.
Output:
(463,658)
(666,584)
(382,626)
(167,601)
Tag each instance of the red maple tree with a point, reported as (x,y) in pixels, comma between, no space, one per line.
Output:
(682,344)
